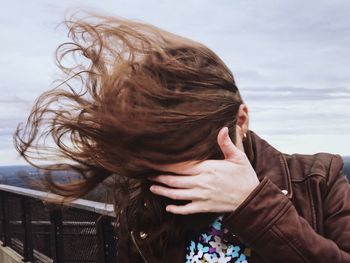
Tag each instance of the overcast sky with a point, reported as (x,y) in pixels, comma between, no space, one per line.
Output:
(291,60)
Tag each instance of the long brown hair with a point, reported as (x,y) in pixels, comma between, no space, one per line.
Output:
(135,96)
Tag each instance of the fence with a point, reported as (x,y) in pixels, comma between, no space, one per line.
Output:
(84,231)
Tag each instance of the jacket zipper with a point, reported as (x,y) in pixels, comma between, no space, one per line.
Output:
(137,246)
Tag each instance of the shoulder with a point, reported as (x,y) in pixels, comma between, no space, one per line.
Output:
(322,165)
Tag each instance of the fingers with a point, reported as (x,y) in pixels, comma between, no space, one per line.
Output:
(190,208)
(176,181)
(226,145)
(182,168)
(175,194)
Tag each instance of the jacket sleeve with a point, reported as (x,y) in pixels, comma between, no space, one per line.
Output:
(268,222)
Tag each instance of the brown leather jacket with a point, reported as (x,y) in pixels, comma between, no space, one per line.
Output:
(300,212)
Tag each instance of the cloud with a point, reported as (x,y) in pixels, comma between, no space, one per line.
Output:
(289,93)
(290,59)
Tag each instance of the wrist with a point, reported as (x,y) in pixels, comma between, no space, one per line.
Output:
(251,186)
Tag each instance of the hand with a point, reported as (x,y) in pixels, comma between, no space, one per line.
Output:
(212,185)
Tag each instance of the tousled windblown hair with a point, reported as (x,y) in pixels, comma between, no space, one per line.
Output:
(135,96)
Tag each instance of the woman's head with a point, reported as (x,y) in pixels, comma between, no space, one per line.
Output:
(136,96)
(145,96)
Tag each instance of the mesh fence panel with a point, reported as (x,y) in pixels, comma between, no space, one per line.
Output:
(79,239)
(79,235)
(41,231)
(15,226)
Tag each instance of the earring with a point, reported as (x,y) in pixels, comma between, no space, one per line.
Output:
(244,136)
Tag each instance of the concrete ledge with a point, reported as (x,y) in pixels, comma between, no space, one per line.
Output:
(8,255)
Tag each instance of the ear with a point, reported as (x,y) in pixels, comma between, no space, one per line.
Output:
(243,119)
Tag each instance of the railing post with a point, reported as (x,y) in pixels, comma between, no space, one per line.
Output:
(5,219)
(27,224)
(106,244)
(57,251)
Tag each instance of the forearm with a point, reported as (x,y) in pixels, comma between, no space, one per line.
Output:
(268,222)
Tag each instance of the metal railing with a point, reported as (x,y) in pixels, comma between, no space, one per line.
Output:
(83,231)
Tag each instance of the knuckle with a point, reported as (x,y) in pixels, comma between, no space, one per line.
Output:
(171,181)
(202,195)
(211,171)
(173,195)
(183,212)
(158,190)
(160,177)
(203,207)
(206,209)
(207,179)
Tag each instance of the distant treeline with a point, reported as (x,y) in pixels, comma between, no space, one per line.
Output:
(33,178)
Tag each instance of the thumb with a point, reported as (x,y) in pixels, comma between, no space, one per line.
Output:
(227,147)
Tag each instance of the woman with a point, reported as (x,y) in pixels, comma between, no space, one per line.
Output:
(161,118)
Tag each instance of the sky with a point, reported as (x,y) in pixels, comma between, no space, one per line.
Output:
(290,59)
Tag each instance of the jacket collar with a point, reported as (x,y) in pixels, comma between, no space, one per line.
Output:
(268,162)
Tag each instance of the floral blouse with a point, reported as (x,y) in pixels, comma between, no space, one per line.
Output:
(213,247)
